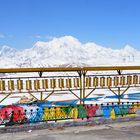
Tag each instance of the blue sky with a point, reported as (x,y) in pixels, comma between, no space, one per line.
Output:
(111,23)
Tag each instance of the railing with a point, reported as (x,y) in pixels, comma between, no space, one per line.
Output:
(81,82)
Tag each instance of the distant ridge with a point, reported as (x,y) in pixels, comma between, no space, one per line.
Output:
(67,51)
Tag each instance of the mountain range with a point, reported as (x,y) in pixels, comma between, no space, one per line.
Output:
(67,51)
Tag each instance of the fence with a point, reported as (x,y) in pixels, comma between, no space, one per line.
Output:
(81,82)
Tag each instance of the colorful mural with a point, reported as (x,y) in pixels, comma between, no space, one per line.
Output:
(43,113)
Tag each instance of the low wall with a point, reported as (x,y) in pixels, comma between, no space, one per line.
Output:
(61,125)
(38,116)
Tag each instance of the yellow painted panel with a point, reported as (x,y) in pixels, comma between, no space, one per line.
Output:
(136,106)
(112,114)
(59,113)
(49,114)
(73,113)
(130,115)
(53,113)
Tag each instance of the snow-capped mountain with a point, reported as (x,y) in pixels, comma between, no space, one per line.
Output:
(7,51)
(67,51)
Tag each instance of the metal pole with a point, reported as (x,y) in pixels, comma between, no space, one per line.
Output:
(80,76)
(41,96)
(119,93)
(84,75)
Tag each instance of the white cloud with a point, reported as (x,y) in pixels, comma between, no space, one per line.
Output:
(48,37)
(2,35)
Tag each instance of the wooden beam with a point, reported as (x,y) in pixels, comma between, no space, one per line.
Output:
(89,93)
(5,97)
(33,95)
(111,68)
(70,69)
(56,69)
(74,94)
(48,96)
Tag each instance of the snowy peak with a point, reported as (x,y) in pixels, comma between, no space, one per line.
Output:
(129,50)
(63,48)
(59,42)
(67,51)
(66,40)
(7,51)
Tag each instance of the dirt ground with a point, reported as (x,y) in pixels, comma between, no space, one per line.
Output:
(116,131)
